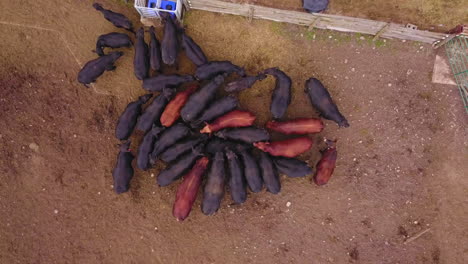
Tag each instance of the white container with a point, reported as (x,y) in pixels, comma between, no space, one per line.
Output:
(148,12)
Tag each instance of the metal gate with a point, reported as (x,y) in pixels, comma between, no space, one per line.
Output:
(457,53)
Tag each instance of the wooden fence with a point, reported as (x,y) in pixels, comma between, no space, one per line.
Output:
(321,21)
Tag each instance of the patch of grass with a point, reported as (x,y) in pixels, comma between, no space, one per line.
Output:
(356,108)
(124,3)
(364,132)
(379,43)
(309,35)
(277,28)
(188,18)
(425,95)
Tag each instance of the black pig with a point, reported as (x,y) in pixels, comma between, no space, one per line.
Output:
(168,138)
(141,58)
(214,187)
(175,170)
(320,98)
(292,167)
(112,40)
(216,144)
(243,83)
(200,99)
(251,170)
(155,51)
(123,171)
(153,112)
(245,134)
(182,147)
(158,83)
(192,50)
(146,147)
(128,118)
(216,109)
(236,181)
(170,42)
(213,68)
(95,68)
(281,97)
(117,19)
(269,174)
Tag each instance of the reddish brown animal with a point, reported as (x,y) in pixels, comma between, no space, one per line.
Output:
(188,189)
(327,163)
(299,126)
(286,148)
(236,118)
(172,111)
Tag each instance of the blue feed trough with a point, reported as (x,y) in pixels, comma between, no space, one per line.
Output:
(165,5)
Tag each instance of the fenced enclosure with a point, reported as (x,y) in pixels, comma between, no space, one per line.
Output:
(320,21)
(457,53)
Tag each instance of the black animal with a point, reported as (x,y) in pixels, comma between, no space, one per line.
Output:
(170,41)
(155,51)
(243,83)
(182,147)
(154,111)
(175,170)
(158,83)
(192,50)
(320,98)
(281,97)
(168,138)
(112,40)
(214,68)
(269,173)
(95,68)
(200,99)
(216,144)
(216,109)
(141,58)
(123,171)
(292,167)
(117,19)
(128,118)
(245,134)
(236,181)
(214,187)
(251,170)
(146,147)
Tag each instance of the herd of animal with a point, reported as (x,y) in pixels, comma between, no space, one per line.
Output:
(200,134)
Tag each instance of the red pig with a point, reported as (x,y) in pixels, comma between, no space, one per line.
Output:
(286,148)
(236,118)
(188,189)
(172,111)
(326,165)
(299,126)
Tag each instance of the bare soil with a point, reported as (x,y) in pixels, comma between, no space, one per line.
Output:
(436,15)
(401,170)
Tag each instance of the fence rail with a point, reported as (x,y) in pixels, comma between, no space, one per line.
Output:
(321,21)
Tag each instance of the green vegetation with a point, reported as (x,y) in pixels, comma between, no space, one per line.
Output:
(277,28)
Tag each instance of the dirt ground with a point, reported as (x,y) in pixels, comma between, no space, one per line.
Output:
(398,194)
(435,15)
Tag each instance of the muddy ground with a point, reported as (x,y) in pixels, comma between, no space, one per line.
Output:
(398,194)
